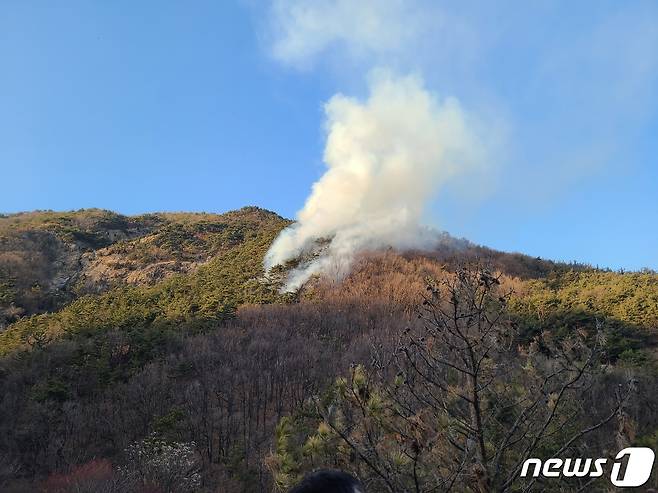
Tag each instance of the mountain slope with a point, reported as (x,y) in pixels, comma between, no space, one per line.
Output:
(165,324)
(41,254)
(114,286)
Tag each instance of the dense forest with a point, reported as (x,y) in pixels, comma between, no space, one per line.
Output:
(152,353)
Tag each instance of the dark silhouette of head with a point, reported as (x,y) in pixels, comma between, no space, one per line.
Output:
(328,481)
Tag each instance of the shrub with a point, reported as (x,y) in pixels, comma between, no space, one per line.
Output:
(155,464)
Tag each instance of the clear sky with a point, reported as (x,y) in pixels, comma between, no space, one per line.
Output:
(213,105)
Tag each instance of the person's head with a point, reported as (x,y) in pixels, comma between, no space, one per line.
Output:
(328,481)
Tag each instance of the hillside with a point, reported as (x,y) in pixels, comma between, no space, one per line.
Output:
(119,327)
(48,259)
(41,254)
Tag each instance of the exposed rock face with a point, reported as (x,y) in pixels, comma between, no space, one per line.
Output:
(42,255)
(36,267)
(47,259)
(102,270)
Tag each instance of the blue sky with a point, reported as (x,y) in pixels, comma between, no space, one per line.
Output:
(209,106)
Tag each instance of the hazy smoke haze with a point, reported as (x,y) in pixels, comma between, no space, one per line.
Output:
(376,30)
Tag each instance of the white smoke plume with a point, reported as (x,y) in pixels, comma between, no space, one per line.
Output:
(386,159)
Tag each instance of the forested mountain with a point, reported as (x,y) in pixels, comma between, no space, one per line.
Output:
(127,343)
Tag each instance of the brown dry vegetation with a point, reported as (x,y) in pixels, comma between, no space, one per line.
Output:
(213,355)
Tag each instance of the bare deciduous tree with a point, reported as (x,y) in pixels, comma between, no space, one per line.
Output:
(461,403)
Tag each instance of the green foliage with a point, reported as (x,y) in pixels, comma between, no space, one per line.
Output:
(7,292)
(54,389)
(168,425)
(284,461)
(626,303)
(628,297)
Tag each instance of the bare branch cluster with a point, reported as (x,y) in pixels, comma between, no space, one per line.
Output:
(460,404)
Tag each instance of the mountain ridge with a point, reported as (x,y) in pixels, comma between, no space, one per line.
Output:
(158,262)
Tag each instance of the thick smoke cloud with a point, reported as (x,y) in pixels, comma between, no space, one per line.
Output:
(559,108)
(386,159)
